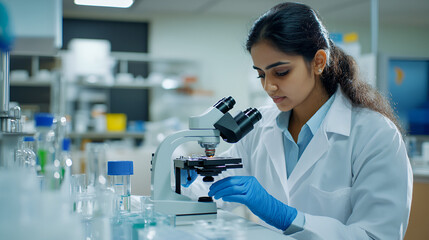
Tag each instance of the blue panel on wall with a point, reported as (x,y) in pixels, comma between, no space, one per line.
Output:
(408,83)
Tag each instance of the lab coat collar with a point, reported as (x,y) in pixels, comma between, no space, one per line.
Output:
(338,118)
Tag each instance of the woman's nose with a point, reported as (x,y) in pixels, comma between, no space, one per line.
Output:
(269,86)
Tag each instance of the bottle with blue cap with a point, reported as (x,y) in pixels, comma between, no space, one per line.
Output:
(66,160)
(45,137)
(119,173)
(48,166)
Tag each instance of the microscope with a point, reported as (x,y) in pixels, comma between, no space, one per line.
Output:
(206,129)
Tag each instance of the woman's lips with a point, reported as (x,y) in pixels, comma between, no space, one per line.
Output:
(278,99)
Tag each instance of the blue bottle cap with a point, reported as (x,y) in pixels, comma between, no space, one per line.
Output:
(120,168)
(28,139)
(43,119)
(66,144)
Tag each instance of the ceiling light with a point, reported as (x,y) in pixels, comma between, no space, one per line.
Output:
(106,3)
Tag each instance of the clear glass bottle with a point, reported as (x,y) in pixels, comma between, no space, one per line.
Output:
(29,157)
(47,165)
(119,179)
(45,137)
(25,155)
(65,159)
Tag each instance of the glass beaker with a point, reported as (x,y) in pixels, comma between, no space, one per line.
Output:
(96,165)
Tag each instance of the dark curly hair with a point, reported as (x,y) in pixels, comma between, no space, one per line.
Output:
(296,29)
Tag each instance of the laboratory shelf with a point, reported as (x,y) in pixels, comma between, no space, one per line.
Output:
(106,135)
(419,137)
(145,57)
(30,83)
(145,85)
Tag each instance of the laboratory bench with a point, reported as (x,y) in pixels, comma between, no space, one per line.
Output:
(251,230)
(244,229)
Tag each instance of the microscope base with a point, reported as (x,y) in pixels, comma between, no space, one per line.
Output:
(185,208)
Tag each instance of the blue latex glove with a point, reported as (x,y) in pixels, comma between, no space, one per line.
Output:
(187,177)
(248,191)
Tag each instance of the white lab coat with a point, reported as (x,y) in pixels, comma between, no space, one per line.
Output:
(353,181)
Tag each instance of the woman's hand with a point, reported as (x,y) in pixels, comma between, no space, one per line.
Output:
(248,191)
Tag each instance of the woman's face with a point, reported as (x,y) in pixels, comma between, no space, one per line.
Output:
(286,78)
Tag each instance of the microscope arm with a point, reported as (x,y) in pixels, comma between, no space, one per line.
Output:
(163,160)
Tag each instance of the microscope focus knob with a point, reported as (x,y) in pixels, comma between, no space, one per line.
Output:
(205,199)
(208,179)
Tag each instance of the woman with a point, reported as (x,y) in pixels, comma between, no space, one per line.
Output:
(329,162)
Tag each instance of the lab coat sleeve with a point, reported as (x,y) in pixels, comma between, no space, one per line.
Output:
(380,193)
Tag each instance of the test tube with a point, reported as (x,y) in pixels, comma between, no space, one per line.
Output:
(119,177)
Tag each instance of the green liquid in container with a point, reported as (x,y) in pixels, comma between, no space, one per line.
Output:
(42,154)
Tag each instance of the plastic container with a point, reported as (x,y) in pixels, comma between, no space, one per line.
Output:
(45,137)
(49,165)
(116,122)
(119,173)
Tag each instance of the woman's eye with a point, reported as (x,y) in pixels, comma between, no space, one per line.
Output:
(261,76)
(280,74)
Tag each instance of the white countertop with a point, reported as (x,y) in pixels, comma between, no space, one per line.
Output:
(246,229)
(249,230)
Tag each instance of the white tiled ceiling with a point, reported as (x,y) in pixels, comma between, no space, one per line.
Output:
(410,12)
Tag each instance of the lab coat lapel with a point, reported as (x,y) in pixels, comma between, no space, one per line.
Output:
(314,151)
(337,121)
(273,141)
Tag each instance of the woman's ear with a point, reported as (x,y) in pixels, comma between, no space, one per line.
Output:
(319,61)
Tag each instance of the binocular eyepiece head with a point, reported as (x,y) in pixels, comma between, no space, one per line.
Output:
(232,129)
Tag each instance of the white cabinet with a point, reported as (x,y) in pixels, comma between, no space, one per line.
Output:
(37,25)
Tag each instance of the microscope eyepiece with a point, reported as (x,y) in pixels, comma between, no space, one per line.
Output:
(253,114)
(225,104)
(245,120)
(233,129)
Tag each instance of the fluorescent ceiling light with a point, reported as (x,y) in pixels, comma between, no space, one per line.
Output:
(105,3)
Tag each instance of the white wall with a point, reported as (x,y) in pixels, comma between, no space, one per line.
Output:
(217,43)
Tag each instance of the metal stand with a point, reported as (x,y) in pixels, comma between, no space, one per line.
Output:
(10,124)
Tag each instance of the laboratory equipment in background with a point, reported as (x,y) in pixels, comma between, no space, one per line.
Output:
(89,61)
(405,81)
(119,178)
(37,25)
(116,122)
(98,113)
(10,125)
(25,155)
(45,141)
(206,129)
(96,164)
(65,161)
